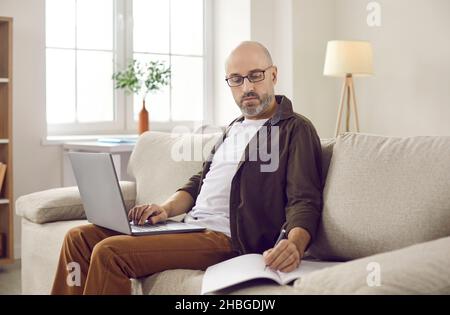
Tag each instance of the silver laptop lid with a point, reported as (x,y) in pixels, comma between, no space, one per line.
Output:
(100,190)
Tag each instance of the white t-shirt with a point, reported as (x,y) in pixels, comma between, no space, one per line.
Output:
(212,207)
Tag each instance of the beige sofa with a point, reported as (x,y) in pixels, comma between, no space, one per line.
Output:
(386,216)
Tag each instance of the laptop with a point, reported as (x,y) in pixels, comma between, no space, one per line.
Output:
(103,201)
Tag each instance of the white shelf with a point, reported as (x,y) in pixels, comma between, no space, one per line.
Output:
(4,140)
(4,80)
(4,201)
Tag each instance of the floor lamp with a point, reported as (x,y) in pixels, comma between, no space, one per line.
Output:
(347,59)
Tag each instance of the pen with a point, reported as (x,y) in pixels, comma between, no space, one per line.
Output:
(280,237)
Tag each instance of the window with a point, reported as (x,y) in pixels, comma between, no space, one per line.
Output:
(88,40)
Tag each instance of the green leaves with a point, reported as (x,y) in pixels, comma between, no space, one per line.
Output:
(138,78)
(157,76)
(129,78)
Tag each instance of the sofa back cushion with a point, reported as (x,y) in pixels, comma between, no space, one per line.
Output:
(159,171)
(163,162)
(327,153)
(383,193)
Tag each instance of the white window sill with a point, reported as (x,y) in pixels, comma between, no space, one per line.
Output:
(60,140)
(185,127)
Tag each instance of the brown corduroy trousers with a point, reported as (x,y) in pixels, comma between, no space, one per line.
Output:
(104,261)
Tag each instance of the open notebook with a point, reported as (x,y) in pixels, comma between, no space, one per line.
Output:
(251,266)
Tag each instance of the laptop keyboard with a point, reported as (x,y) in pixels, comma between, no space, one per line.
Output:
(149,227)
(169,225)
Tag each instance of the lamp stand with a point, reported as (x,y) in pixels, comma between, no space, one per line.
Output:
(348,95)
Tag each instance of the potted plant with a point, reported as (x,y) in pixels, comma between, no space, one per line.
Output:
(141,79)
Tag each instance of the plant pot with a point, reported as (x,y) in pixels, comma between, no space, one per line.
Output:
(143,124)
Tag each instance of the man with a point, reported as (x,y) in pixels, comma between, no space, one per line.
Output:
(243,206)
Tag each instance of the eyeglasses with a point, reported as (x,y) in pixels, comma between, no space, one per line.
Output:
(253,77)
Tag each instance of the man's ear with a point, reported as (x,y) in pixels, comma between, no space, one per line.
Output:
(275,75)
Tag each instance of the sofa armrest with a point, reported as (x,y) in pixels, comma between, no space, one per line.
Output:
(417,269)
(61,204)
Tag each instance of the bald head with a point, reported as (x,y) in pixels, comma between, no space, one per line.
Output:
(250,66)
(249,50)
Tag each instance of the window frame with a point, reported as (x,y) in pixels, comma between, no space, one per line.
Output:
(123,122)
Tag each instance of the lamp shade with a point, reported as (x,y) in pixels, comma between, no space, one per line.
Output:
(348,57)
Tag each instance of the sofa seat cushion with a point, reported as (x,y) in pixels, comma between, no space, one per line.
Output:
(183,281)
(417,269)
(41,245)
(189,282)
(383,193)
(60,204)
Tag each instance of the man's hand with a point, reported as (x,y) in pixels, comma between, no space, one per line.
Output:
(288,253)
(284,257)
(154,213)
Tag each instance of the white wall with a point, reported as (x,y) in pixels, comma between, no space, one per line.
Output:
(35,167)
(316,96)
(283,46)
(409,94)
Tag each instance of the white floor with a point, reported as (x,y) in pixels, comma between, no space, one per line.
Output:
(10,279)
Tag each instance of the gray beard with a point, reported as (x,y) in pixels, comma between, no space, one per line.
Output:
(255,111)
